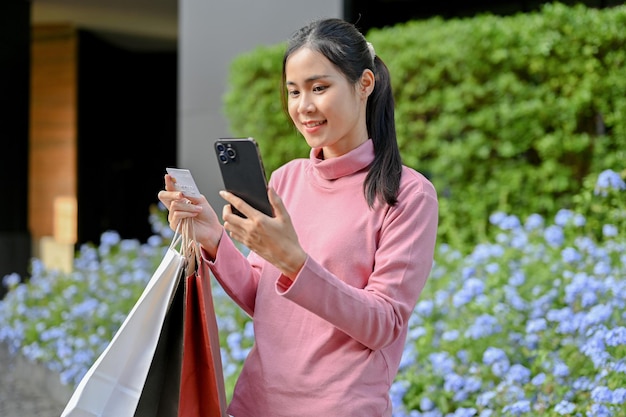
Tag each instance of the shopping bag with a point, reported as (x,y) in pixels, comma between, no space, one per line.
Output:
(202,390)
(113,385)
(186,378)
(164,361)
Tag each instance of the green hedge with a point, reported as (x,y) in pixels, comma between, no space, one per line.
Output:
(502,113)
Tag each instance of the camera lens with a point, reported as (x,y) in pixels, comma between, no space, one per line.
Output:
(220,147)
(223,158)
(231,153)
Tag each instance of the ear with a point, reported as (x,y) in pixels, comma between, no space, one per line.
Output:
(367,83)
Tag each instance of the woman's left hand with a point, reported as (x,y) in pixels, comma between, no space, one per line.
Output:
(272,238)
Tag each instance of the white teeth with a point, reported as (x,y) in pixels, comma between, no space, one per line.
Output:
(313,124)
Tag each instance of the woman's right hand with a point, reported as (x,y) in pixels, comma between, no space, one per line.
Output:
(207,227)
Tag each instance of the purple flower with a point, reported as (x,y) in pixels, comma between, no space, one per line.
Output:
(497,218)
(493,354)
(579,220)
(11,280)
(471,288)
(538,379)
(450,335)
(510,222)
(518,408)
(424,308)
(563,216)
(598,314)
(536,325)
(609,230)
(517,278)
(533,222)
(619,396)
(609,179)
(484,325)
(554,236)
(564,407)
(492,268)
(616,336)
(602,268)
(594,348)
(426,404)
(464,412)
(441,362)
(109,238)
(500,368)
(619,366)
(561,370)
(483,252)
(601,395)
(599,410)
(453,382)
(397,391)
(518,374)
(570,255)
(484,399)
(582,384)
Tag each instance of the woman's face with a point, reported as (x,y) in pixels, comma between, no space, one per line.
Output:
(328,110)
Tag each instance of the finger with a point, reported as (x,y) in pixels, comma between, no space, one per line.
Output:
(226,212)
(228,216)
(276,202)
(185,205)
(169,182)
(238,203)
(168,197)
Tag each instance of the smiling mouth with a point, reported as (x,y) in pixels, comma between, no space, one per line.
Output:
(313,124)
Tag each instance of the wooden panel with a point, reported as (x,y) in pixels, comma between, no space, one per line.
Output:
(53,123)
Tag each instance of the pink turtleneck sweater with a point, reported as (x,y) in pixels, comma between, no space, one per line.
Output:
(330,342)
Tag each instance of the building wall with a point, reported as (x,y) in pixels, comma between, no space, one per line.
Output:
(52,165)
(211,34)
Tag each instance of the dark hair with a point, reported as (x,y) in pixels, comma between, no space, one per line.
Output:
(346,48)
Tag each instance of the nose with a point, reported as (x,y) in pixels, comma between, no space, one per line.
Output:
(306,104)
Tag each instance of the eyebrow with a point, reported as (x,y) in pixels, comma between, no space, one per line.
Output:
(310,79)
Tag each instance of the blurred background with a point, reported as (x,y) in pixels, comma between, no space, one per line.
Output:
(97,97)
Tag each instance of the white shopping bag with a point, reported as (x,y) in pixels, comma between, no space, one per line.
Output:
(113,385)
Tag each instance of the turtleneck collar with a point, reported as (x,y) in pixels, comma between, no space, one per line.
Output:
(344,165)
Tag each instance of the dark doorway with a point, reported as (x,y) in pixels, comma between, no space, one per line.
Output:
(15,242)
(127,125)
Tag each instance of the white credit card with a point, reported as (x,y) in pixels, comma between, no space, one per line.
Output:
(184,181)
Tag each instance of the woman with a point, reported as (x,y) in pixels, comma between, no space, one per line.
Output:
(332,279)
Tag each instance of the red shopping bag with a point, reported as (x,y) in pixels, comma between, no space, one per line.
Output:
(202,384)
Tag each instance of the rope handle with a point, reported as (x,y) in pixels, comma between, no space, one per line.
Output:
(189,247)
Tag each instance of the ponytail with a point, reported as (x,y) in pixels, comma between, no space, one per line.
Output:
(383,179)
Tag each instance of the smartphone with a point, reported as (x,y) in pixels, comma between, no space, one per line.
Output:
(243,173)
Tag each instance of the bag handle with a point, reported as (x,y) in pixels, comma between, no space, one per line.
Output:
(190,248)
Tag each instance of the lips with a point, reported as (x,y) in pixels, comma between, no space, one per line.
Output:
(313,124)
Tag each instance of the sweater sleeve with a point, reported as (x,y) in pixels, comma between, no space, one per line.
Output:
(377,314)
(236,274)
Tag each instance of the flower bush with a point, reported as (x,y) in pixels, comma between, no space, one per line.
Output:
(531,322)
(66,320)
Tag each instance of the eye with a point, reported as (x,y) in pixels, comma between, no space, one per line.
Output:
(319,88)
(293,93)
